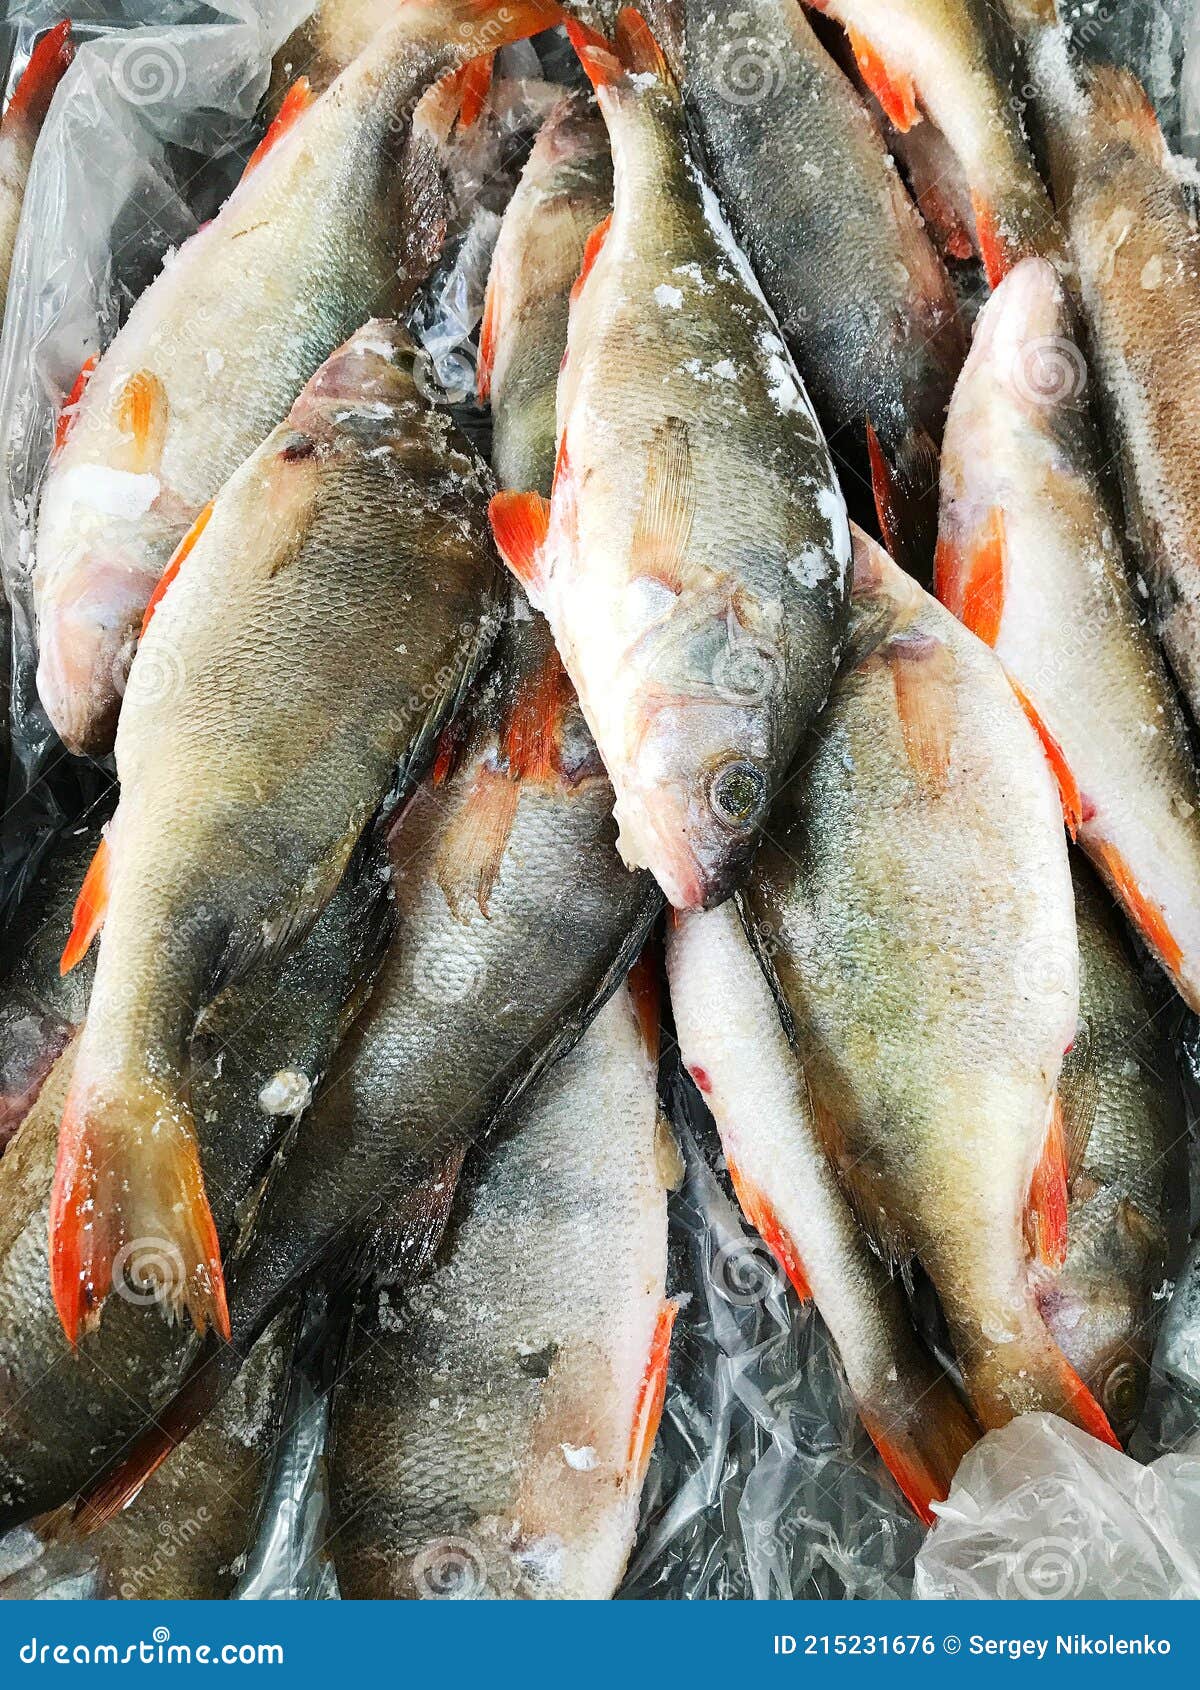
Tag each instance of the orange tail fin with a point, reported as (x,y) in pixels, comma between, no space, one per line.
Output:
(128,1211)
(1028,1372)
(90,908)
(47,66)
(922,1446)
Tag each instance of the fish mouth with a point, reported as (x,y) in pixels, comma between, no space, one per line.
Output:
(656,837)
(86,642)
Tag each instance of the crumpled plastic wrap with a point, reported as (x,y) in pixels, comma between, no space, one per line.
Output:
(1040,1510)
(762,1483)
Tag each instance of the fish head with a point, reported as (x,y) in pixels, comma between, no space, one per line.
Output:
(87,632)
(710,730)
(1098,1321)
(1024,349)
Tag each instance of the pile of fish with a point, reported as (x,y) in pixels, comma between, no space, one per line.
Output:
(798,669)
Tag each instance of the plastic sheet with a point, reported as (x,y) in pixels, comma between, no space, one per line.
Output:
(1040,1510)
(171,110)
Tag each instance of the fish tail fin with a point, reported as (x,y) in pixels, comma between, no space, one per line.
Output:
(484,26)
(1027,1373)
(1123,105)
(128,1210)
(633,51)
(922,1439)
(904,483)
(48,64)
(119,1483)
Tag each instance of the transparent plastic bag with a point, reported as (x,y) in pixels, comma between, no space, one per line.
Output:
(1040,1510)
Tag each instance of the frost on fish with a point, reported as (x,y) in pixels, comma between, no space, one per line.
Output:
(493,1441)
(692,471)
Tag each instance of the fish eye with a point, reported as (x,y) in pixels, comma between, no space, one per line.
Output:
(738,794)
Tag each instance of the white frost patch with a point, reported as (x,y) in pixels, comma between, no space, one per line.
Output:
(214,361)
(112,492)
(381,348)
(286,1093)
(725,369)
(671,299)
(581,1460)
(694,274)
(811,567)
(832,506)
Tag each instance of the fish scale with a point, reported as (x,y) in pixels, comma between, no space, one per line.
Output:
(692,561)
(488,1439)
(320,630)
(304,250)
(918,916)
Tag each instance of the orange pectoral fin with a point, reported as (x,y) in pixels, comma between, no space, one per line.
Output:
(652,1393)
(488,334)
(969,577)
(475,88)
(520,524)
(591,252)
(295,103)
(997,255)
(471,854)
(172,570)
(1072,803)
(66,417)
(1145,915)
(896,94)
(645,988)
(47,66)
(760,1212)
(923,671)
(1046,1213)
(142,413)
(532,730)
(90,908)
(883,489)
